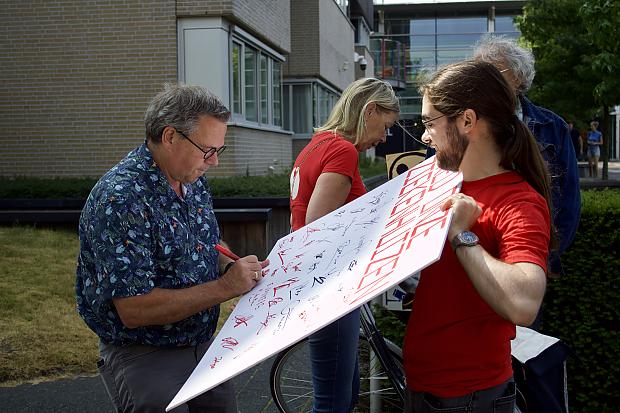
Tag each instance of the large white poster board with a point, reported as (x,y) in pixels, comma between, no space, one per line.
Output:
(330,267)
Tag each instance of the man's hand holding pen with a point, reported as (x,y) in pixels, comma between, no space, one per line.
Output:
(244,273)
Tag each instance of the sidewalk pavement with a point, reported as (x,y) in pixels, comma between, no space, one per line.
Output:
(613,175)
(88,395)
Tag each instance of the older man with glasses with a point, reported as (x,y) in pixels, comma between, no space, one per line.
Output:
(149,279)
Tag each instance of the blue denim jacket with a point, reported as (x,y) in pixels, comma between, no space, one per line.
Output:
(553,138)
(556,146)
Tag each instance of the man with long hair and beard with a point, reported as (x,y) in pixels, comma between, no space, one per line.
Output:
(492,272)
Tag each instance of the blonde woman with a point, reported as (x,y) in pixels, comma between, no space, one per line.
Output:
(324,178)
(595,141)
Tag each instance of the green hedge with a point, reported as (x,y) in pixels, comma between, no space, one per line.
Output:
(582,307)
(237,186)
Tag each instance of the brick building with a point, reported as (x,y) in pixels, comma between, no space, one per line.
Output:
(78,75)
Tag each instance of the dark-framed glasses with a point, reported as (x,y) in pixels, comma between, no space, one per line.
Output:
(210,150)
(427,121)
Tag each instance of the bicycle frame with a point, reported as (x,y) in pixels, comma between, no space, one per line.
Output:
(377,342)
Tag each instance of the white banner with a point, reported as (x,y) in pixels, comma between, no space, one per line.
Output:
(324,270)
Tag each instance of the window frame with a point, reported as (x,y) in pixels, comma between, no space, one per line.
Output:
(246,42)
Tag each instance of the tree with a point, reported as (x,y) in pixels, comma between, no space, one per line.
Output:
(577,62)
(602,20)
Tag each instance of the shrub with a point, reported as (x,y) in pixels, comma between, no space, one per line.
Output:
(276,185)
(583,306)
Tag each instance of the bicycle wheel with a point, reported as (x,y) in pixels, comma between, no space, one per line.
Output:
(291,380)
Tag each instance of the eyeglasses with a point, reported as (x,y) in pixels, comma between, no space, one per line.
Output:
(403,126)
(418,128)
(425,122)
(209,152)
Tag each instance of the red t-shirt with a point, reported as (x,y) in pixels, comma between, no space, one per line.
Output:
(334,154)
(455,342)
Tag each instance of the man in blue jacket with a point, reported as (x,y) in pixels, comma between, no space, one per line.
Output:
(517,65)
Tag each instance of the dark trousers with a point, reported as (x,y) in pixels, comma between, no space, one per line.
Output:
(497,399)
(335,369)
(142,378)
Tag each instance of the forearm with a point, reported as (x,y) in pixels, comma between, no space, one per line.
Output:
(513,293)
(163,306)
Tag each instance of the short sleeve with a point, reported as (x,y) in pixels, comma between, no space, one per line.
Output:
(524,230)
(342,157)
(121,243)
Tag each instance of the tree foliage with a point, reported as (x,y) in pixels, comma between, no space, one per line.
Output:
(577,48)
(602,21)
(557,36)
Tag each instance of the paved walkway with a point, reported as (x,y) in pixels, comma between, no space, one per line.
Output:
(88,395)
(613,175)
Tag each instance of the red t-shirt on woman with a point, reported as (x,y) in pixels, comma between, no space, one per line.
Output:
(326,152)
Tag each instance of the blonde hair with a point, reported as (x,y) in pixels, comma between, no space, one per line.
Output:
(347,116)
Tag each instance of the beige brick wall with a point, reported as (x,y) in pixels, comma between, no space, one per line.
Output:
(77,77)
(253,151)
(305,41)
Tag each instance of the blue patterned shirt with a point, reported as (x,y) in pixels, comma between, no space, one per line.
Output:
(136,234)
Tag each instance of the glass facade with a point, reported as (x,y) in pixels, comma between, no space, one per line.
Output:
(430,40)
(409,45)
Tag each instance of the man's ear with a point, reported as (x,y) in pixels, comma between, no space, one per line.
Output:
(469,120)
(167,135)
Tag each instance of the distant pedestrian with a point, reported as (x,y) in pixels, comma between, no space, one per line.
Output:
(576,138)
(595,141)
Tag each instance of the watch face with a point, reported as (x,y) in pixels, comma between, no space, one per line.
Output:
(468,237)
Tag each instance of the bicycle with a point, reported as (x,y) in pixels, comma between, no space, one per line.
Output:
(382,381)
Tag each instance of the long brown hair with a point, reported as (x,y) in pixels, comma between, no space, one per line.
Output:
(480,86)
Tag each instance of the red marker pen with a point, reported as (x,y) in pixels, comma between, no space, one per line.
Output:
(226,252)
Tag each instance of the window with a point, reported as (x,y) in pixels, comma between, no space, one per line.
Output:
(236,78)
(264,87)
(256,82)
(277,92)
(249,77)
(343,5)
(506,26)
(302,109)
(307,105)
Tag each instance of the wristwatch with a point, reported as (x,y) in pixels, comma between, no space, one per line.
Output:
(464,239)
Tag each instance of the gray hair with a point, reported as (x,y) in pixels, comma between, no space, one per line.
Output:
(499,49)
(181,107)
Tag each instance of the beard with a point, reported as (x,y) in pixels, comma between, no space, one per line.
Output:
(450,157)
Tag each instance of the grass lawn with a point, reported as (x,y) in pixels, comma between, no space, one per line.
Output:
(41,335)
